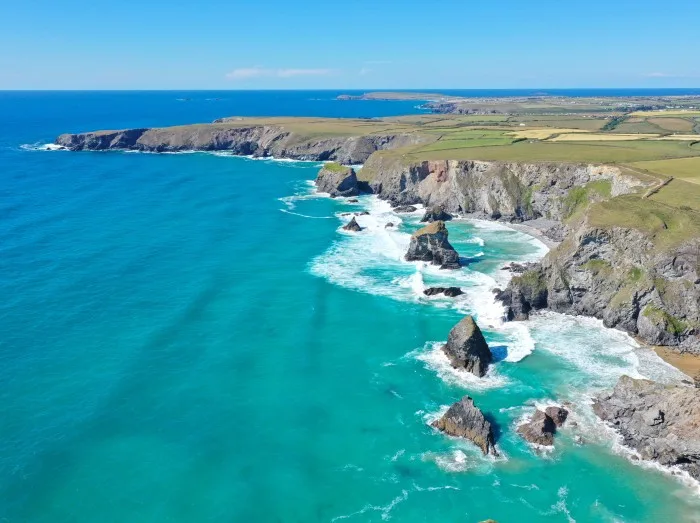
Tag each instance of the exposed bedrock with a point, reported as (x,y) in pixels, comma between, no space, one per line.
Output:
(337,180)
(493,190)
(430,244)
(436,213)
(352,225)
(256,140)
(542,426)
(661,422)
(450,292)
(467,349)
(465,420)
(622,276)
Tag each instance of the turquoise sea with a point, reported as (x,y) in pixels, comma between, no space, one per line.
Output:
(191,338)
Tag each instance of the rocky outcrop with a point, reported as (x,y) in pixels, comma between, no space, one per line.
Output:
(465,420)
(337,180)
(494,190)
(405,208)
(436,213)
(539,429)
(450,292)
(661,422)
(352,225)
(558,414)
(542,426)
(238,138)
(643,277)
(430,244)
(467,349)
(524,293)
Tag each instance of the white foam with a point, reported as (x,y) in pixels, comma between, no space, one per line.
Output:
(307,216)
(600,355)
(435,360)
(43,147)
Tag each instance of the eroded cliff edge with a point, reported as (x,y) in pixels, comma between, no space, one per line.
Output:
(622,258)
(243,139)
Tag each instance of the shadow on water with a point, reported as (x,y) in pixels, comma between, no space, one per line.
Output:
(499,352)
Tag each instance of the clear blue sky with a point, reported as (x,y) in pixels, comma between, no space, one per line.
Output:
(278,44)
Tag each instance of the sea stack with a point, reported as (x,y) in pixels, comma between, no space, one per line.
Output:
(542,426)
(430,244)
(662,422)
(465,420)
(352,225)
(467,349)
(337,180)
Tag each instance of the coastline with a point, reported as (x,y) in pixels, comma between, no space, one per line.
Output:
(532,231)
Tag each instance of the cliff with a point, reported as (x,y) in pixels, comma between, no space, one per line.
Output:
(241,139)
(622,258)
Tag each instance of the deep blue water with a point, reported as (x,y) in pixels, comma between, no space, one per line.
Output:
(189,337)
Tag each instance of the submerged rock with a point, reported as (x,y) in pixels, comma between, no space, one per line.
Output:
(661,422)
(337,180)
(450,292)
(430,244)
(539,430)
(465,420)
(467,349)
(353,200)
(436,213)
(352,225)
(405,208)
(389,225)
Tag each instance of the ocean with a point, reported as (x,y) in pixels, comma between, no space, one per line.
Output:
(192,337)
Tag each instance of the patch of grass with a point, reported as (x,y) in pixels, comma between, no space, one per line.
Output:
(598,266)
(680,194)
(665,226)
(685,168)
(635,274)
(532,279)
(672,124)
(579,197)
(570,152)
(335,167)
(672,324)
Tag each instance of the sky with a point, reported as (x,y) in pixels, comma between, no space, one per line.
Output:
(356,44)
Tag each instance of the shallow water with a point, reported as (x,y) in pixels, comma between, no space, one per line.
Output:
(192,338)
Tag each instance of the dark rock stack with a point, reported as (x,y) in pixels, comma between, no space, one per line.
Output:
(465,420)
(352,225)
(430,244)
(450,292)
(337,180)
(543,425)
(405,208)
(467,349)
(435,214)
(662,422)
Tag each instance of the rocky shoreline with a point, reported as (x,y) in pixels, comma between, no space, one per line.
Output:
(618,274)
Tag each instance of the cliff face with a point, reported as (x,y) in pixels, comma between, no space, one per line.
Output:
(637,269)
(259,141)
(622,276)
(495,190)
